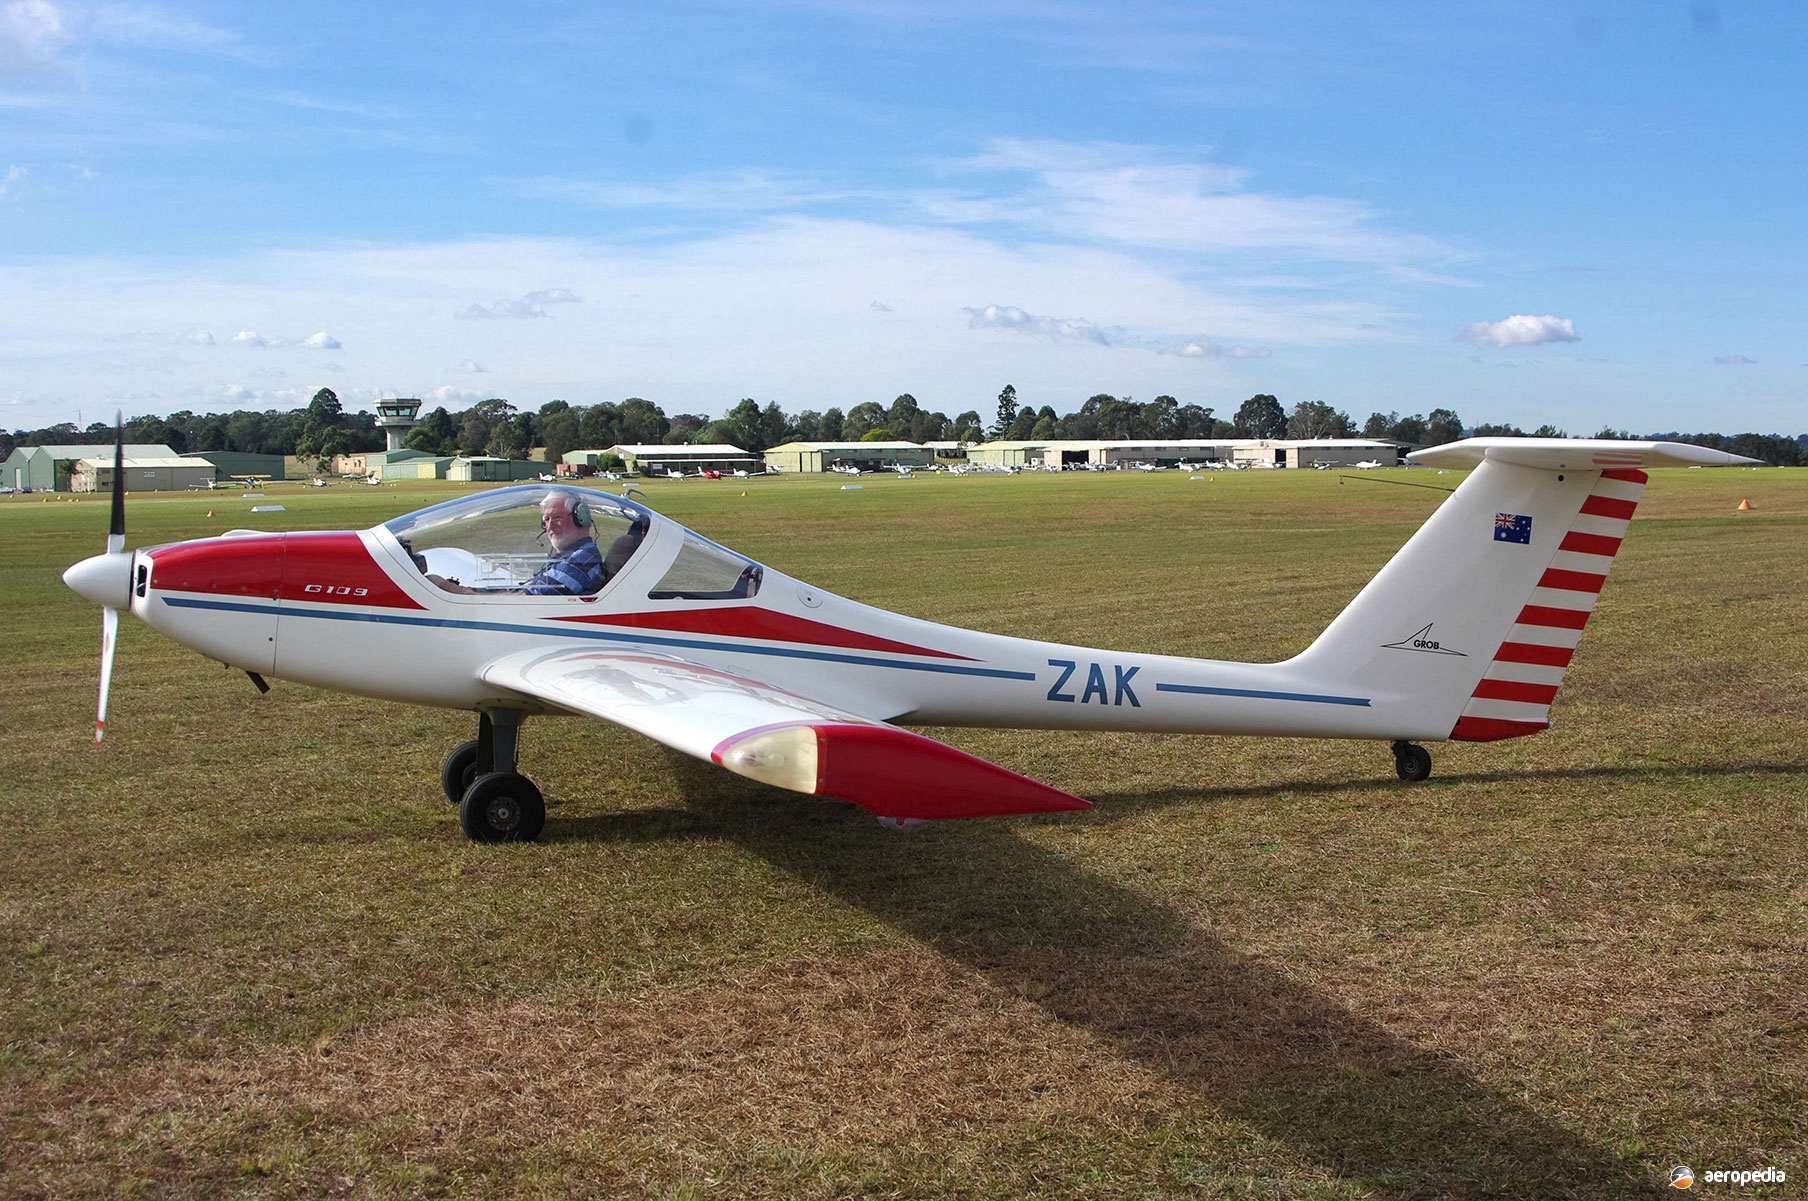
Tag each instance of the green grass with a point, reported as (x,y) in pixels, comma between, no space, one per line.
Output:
(248,952)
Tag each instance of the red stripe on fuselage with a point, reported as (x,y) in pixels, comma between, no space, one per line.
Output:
(762,624)
(1626,475)
(329,568)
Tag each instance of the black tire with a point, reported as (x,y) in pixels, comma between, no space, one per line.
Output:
(459,771)
(1412,762)
(502,807)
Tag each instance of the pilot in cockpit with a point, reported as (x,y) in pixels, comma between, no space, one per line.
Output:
(576,567)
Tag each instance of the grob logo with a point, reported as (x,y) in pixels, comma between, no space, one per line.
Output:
(1423,641)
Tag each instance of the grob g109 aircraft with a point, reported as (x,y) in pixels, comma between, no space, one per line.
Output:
(1464,634)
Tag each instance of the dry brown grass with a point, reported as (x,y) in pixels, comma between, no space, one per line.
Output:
(248,954)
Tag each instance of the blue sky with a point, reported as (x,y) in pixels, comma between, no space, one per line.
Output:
(1583,213)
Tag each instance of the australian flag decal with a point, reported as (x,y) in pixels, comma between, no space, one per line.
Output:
(1511,527)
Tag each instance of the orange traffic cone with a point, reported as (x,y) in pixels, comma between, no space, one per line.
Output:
(1745,506)
(210,512)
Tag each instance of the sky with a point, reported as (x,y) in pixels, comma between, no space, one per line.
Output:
(1587,214)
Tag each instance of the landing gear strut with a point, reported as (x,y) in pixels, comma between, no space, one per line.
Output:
(495,802)
(1413,762)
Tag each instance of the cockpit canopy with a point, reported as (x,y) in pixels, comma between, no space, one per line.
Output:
(499,541)
(505,542)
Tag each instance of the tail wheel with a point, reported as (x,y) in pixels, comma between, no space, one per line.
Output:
(459,771)
(502,807)
(1412,762)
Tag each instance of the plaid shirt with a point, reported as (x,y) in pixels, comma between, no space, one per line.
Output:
(577,572)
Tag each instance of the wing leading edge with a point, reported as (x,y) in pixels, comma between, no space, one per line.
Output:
(774,736)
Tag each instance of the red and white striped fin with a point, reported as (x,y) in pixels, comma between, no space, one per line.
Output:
(1514,695)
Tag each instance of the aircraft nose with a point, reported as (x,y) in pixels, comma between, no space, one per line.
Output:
(104,579)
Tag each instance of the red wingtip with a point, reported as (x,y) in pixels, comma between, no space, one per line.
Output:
(894,773)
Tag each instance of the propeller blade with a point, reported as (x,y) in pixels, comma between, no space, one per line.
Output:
(116,529)
(109,637)
(116,542)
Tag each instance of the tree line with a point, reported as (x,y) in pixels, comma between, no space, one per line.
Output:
(498,427)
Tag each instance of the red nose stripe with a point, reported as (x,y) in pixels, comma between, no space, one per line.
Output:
(331,568)
(250,566)
(334,568)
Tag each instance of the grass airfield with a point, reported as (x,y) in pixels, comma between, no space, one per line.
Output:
(249,953)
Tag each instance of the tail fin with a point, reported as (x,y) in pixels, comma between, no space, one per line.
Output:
(1467,631)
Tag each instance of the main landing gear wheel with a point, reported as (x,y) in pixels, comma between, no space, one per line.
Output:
(1412,762)
(459,771)
(502,807)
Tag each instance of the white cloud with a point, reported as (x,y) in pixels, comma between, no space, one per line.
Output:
(1136,196)
(1203,347)
(140,26)
(451,396)
(321,341)
(714,192)
(34,35)
(1054,329)
(192,336)
(32,32)
(11,182)
(879,306)
(1734,360)
(247,337)
(1519,330)
(528,308)
(471,367)
(787,314)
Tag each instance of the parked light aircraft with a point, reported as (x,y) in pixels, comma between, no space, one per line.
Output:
(1464,634)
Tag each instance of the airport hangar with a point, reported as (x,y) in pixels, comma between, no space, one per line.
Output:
(1240,452)
(658,459)
(50,468)
(866,456)
(143,473)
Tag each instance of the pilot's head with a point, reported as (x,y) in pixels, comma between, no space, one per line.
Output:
(565,519)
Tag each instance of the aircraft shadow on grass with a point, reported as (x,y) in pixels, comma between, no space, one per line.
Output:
(1295,1064)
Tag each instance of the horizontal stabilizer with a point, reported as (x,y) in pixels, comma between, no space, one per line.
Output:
(1574,454)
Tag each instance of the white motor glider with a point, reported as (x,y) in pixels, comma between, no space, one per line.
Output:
(1464,634)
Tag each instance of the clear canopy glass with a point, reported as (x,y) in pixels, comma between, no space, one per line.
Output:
(537,539)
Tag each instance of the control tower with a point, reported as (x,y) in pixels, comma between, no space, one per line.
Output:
(397,417)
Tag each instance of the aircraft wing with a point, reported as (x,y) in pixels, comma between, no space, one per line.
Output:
(774,736)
